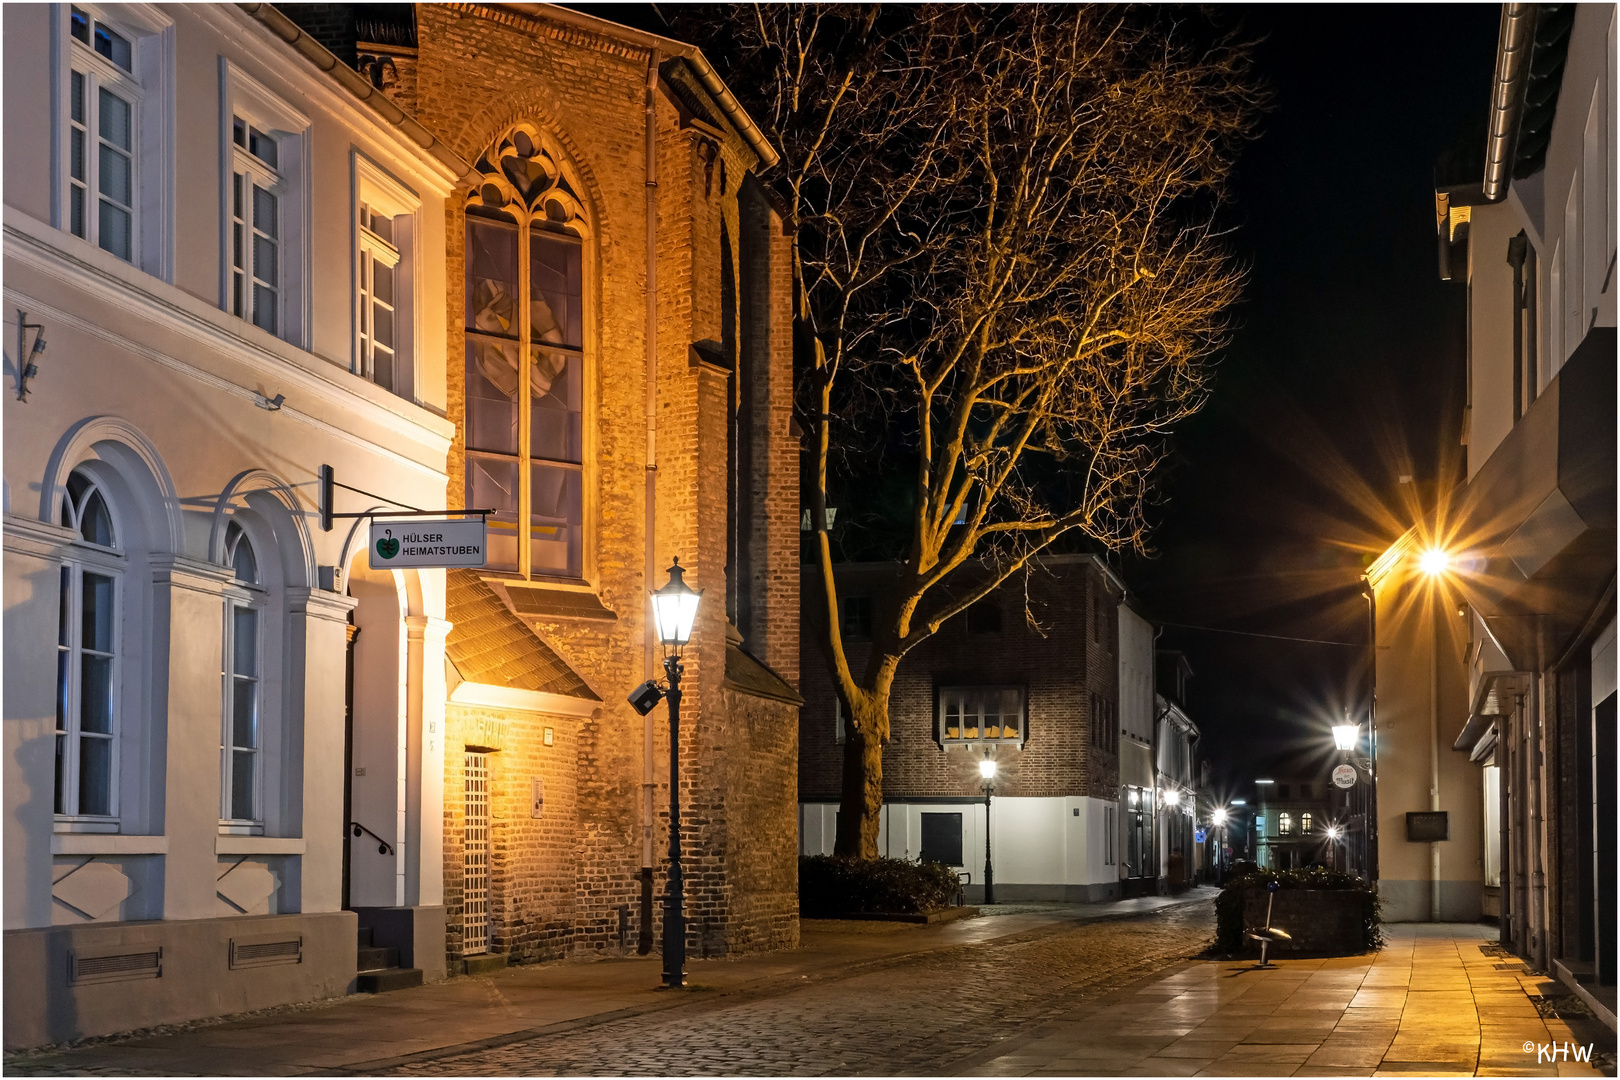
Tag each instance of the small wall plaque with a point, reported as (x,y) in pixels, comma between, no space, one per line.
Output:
(1428,826)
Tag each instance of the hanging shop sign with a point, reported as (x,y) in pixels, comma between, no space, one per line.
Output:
(421,543)
(1344,776)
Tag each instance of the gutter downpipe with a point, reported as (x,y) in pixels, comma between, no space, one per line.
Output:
(644,939)
(1370,826)
(1435,609)
(1515,42)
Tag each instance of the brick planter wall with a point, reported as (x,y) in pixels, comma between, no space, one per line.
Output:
(1319,920)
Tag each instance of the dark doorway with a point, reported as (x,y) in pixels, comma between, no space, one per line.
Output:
(942,839)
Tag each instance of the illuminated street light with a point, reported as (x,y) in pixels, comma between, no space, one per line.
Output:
(987,770)
(1434,561)
(1172,797)
(1344,736)
(1219,816)
(674,611)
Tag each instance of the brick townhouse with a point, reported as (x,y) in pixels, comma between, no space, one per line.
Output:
(1039,694)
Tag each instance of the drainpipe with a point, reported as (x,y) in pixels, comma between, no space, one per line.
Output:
(1536,763)
(1434,760)
(1515,41)
(644,940)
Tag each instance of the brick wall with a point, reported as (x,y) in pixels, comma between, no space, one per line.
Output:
(1060,663)
(476,72)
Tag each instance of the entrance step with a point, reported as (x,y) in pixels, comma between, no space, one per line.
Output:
(372,958)
(385,979)
(484,964)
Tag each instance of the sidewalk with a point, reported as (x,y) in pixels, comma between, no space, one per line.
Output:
(369,1033)
(1433,1002)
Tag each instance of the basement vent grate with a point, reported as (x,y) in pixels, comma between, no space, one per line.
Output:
(261,953)
(141,965)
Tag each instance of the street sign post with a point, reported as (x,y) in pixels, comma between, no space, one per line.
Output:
(400,545)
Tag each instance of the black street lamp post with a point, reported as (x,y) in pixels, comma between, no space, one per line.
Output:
(675,609)
(987,769)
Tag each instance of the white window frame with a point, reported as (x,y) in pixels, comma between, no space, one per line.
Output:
(250,174)
(244,596)
(148,85)
(244,98)
(943,693)
(109,562)
(375,188)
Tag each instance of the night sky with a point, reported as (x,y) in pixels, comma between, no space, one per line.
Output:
(1347,373)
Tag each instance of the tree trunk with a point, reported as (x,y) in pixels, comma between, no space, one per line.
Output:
(862,797)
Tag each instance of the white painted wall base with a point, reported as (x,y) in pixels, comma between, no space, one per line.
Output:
(1042,849)
(199,974)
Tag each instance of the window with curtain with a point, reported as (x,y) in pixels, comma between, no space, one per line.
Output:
(975,714)
(241,732)
(525,360)
(87,656)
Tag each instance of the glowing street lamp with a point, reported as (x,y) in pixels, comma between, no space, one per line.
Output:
(1345,735)
(1434,561)
(987,771)
(1218,817)
(674,611)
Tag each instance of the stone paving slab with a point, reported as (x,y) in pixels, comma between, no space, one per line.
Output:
(1431,1004)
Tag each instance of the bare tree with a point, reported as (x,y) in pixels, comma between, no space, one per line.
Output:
(1007,265)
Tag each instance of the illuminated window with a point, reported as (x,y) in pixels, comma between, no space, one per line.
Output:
(973,714)
(1285,824)
(1305,824)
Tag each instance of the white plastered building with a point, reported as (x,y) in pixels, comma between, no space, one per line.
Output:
(233,252)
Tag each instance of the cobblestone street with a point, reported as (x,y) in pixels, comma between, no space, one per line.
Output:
(914,1016)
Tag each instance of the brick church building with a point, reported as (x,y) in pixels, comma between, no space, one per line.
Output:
(636,408)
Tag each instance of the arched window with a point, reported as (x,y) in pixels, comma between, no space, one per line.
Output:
(525,359)
(1285,824)
(1304,824)
(87,655)
(241,736)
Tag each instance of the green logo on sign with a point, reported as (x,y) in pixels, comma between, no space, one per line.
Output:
(388,547)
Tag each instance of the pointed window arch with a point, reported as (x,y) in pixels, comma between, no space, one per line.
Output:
(87,656)
(526,358)
(241,731)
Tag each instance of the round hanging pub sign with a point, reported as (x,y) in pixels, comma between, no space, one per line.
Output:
(1344,776)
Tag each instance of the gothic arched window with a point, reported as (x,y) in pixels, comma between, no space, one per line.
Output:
(525,359)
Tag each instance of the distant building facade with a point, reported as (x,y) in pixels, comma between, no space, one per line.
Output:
(1290,816)
(1042,701)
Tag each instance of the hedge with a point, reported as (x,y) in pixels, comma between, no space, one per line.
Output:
(1229,905)
(830,886)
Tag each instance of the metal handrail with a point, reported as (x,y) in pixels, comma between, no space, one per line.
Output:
(383,847)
